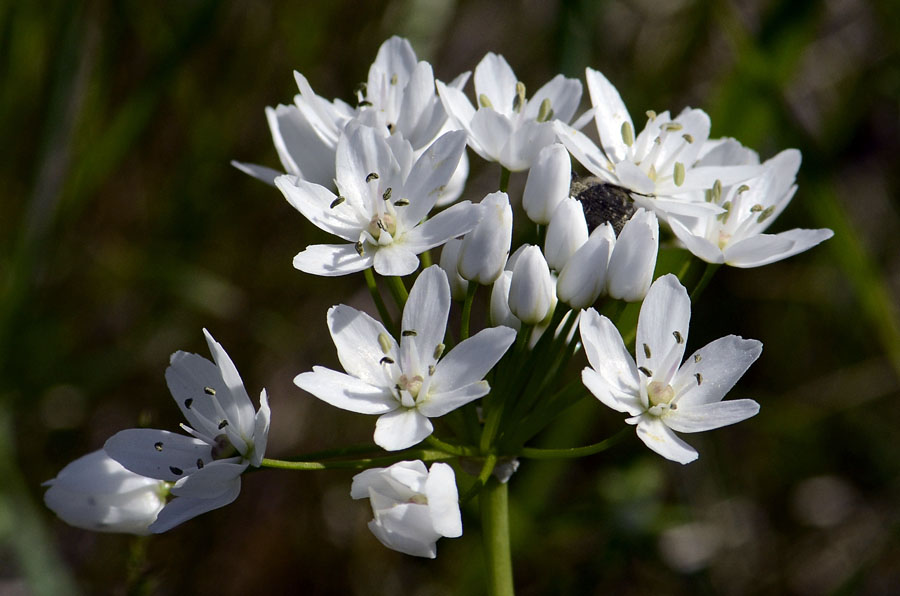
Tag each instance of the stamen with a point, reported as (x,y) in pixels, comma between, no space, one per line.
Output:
(176,471)
(545,111)
(394,79)
(697,358)
(519,99)
(188,402)
(647,351)
(672,126)
(765,214)
(158,446)
(337,202)
(386,360)
(688,138)
(372,176)
(199,464)
(651,173)
(364,103)
(223,424)
(359,248)
(646,371)
(743,188)
(438,350)
(401,202)
(485,102)
(384,340)
(717,190)
(431,370)
(679,173)
(678,338)
(627,134)
(387,194)
(209,391)
(756,208)
(409,333)
(651,115)
(699,378)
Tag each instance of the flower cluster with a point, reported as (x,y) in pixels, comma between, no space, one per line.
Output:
(386,177)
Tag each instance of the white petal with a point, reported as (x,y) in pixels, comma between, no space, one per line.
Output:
(449,223)
(188,377)
(235,401)
(610,114)
(633,258)
(263,173)
(346,392)
(315,203)
(585,151)
(709,416)
(425,315)
(211,481)
(496,79)
(401,429)
(720,364)
(395,260)
(356,337)
(609,395)
(472,359)
(438,404)
(395,57)
(261,430)
(658,437)
(332,260)
(564,95)
(157,453)
(429,177)
(632,177)
(302,151)
(699,246)
(492,131)
(443,500)
(406,528)
(363,151)
(766,248)
(607,355)
(664,319)
(181,509)
(525,144)
(485,248)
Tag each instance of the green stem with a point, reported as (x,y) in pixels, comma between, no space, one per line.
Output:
(494,503)
(357,464)
(504,179)
(486,470)
(425,257)
(467,310)
(535,453)
(701,285)
(398,290)
(379,301)
(458,450)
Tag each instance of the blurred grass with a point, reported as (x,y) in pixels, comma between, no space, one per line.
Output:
(125,231)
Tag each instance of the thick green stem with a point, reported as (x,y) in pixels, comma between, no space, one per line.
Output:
(504,179)
(398,290)
(494,502)
(379,301)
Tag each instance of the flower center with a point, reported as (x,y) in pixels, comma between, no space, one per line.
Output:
(660,393)
(413,385)
(384,222)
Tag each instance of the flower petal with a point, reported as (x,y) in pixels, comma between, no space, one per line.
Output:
(496,79)
(263,173)
(235,402)
(757,251)
(157,453)
(610,360)
(302,151)
(610,114)
(662,328)
(428,179)
(449,223)
(709,416)
(492,130)
(719,365)
(358,339)
(332,260)
(181,509)
(443,500)
(406,528)
(564,95)
(699,246)
(425,318)
(438,404)
(658,437)
(211,481)
(261,430)
(471,359)
(315,203)
(401,428)
(346,392)
(395,260)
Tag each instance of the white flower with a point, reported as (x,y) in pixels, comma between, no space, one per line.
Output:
(227,437)
(583,278)
(384,198)
(735,236)
(532,290)
(485,249)
(413,506)
(398,98)
(566,232)
(96,493)
(411,382)
(658,165)
(659,396)
(449,262)
(506,127)
(547,183)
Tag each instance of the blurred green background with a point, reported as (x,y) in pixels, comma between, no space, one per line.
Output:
(124,231)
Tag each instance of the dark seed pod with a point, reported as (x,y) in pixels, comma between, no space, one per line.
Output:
(602,202)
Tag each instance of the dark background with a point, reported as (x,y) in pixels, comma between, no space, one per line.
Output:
(124,231)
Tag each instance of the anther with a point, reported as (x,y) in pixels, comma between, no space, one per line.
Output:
(401,202)
(765,214)
(199,464)
(337,202)
(223,424)
(756,208)
(687,137)
(679,173)
(647,351)
(545,111)
(697,358)
(672,126)
(651,173)
(627,134)
(176,471)
(359,248)
(387,194)
(743,188)
(409,333)
(651,115)
(386,360)
(209,391)
(519,99)
(364,103)
(158,446)
(384,341)
(646,371)
(699,378)
(431,370)
(188,402)
(372,176)
(438,350)
(394,79)
(678,338)
(484,101)
(717,190)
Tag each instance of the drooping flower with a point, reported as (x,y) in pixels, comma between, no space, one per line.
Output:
(95,492)
(398,98)
(413,506)
(384,196)
(658,165)
(660,396)
(736,236)
(506,127)
(410,382)
(227,437)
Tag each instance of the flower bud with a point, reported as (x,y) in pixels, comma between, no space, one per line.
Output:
(566,233)
(485,249)
(531,290)
(450,263)
(634,258)
(584,276)
(548,183)
(96,493)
